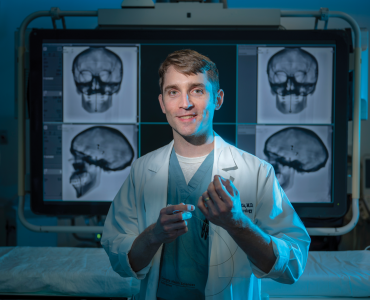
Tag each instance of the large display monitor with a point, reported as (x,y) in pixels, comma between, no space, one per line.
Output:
(94,110)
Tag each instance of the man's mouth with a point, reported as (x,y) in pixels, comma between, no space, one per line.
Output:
(187,117)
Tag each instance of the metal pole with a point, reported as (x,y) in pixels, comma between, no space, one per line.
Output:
(55,12)
(37,228)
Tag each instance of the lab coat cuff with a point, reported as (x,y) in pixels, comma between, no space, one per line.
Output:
(124,249)
(281,251)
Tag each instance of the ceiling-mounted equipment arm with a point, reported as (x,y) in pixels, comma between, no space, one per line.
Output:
(356,130)
(56,13)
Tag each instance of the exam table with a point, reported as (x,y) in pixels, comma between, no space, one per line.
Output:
(61,271)
(86,272)
(328,275)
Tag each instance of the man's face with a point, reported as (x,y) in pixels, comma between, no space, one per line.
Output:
(189,102)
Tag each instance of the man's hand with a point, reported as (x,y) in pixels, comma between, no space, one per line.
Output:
(169,226)
(224,209)
(220,204)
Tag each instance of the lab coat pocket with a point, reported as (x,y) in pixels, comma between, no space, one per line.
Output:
(231,260)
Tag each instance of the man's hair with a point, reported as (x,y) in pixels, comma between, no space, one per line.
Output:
(190,62)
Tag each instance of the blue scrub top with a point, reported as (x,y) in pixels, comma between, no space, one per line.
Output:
(184,262)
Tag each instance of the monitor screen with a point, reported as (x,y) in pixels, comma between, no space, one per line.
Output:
(100,112)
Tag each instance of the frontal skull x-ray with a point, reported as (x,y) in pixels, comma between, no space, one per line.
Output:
(99,84)
(300,157)
(292,75)
(96,152)
(294,85)
(97,73)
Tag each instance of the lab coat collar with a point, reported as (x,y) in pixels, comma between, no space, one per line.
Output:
(161,157)
(223,156)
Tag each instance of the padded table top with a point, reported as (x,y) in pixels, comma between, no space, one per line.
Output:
(87,272)
(61,272)
(330,274)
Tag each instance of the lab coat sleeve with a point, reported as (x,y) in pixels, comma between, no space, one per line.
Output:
(276,216)
(121,229)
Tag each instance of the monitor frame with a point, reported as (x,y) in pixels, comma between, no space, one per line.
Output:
(339,38)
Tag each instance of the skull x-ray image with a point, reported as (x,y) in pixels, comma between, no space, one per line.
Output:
(99,84)
(301,157)
(292,74)
(98,74)
(295,85)
(96,160)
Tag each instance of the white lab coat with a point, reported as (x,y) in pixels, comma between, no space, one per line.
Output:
(144,194)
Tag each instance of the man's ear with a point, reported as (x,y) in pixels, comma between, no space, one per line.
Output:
(160,99)
(219,99)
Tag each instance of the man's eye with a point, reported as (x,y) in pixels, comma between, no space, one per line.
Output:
(172,93)
(198,91)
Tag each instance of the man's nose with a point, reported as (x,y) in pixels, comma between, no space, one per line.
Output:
(185,102)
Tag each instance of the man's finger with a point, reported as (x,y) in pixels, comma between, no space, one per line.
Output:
(220,188)
(179,208)
(212,209)
(177,226)
(176,218)
(201,205)
(229,185)
(217,201)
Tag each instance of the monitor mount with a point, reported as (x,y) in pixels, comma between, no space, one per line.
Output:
(193,14)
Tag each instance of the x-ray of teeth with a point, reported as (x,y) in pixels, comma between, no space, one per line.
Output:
(301,160)
(98,74)
(96,153)
(100,84)
(295,85)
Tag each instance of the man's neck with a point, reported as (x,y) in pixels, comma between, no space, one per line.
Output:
(193,147)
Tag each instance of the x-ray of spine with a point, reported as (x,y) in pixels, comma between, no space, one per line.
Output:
(96,160)
(100,84)
(301,157)
(295,85)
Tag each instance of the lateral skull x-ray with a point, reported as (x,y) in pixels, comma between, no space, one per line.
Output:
(292,74)
(98,74)
(95,149)
(295,150)
(295,85)
(301,157)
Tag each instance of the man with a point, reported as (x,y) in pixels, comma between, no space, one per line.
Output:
(253,230)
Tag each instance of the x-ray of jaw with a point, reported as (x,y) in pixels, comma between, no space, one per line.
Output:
(292,74)
(95,149)
(98,74)
(295,150)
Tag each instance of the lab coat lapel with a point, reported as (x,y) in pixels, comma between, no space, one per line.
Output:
(155,190)
(223,159)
